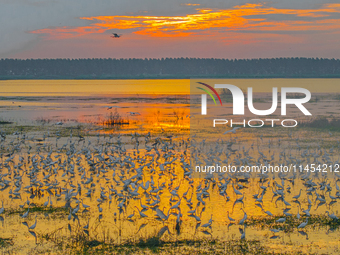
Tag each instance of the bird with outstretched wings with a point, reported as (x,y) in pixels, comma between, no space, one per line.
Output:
(115,35)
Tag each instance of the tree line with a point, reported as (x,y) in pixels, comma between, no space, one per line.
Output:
(98,68)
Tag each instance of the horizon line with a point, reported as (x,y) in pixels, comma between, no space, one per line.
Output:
(165,58)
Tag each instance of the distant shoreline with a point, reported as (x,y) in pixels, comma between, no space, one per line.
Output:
(163,77)
(168,68)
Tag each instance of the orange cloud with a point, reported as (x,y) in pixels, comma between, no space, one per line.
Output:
(248,17)
(190,4)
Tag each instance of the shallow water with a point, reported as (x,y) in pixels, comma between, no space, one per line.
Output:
(120,170)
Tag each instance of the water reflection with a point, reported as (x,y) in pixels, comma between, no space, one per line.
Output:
(131,186)
(103,183)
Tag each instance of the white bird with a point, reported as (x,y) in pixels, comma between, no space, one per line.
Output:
(114,106)
(243,236)
(176,206)
(131,215)
(84,205)
(2,209)
(70,215)
(237,192)
(309,201)
(100,209)
(143,206)
(59,123)
(161,214)
(332,216)
(140,213)
(75,210)
(244,218)
(35,223)
(46,203)
(88,224)
(297,196)
(281,220)
(25,214)
(303,224)
(232,131)
(268,213)
(231,219)
(134,113)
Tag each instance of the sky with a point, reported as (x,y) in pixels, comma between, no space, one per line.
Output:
(173,28)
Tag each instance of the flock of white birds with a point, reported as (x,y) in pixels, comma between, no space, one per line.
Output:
(144,178)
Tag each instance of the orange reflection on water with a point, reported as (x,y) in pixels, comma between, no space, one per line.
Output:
(93,88)
(173,125)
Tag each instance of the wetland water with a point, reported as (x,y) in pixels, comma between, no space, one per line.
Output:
(70,182)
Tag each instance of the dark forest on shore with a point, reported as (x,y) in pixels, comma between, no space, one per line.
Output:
(168,68)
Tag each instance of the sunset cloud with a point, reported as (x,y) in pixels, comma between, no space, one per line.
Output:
(243,18)
(190,4)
